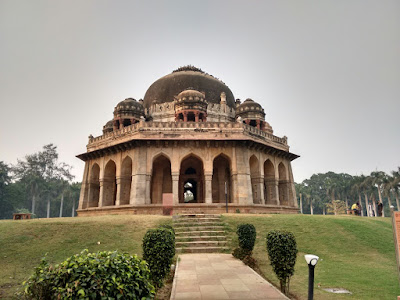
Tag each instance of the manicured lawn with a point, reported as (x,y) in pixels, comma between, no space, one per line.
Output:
(24,243)
(355,253)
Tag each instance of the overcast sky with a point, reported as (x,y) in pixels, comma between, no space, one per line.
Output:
(326,72)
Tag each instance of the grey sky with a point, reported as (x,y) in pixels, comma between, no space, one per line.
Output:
(326,72)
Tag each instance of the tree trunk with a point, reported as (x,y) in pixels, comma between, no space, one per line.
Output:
(33,204)
(333,202)
(366,205)
(73,208)
(61,204)
(323,210)
(361,207)
(347,204)
(301,204)
(374,206)
(389,200)
(311,208)
(381,199)
(48,207)
(397,201)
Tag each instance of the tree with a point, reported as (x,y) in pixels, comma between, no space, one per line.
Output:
(42,174)
(378,179)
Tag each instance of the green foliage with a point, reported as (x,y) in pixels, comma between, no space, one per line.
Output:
(168,226)
(247,236)
(282,252)
(158,251)
(101,275)
(237,211)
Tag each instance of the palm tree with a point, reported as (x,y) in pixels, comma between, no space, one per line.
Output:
(366,186)
(378,179)
(356,186)
(396,186)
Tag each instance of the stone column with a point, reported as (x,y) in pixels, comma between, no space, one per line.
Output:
(185,116)
(208,179)
(247,122)
(196,117)
(101,196)
(175,187)
(258,124)
(118,197)
(277,192)
(148,189)
(261,188)
(84,188)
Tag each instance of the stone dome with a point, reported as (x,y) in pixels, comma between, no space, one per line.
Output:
(168,87)
(129,107)
(108,127)
(191,95)
(249,105)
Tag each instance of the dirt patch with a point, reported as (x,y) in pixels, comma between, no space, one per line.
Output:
(164,293)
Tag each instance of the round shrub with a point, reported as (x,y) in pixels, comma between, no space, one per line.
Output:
(168,226)
(101,275)
(247,236)
(282,252)
(158,251)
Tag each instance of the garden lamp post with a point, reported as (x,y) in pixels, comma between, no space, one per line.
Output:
(312,262)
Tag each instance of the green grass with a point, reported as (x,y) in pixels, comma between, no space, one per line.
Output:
(355,253)
(24,243)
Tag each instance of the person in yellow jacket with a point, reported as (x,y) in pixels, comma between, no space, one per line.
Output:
(356,208)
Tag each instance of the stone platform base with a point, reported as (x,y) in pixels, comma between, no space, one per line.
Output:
(198,208)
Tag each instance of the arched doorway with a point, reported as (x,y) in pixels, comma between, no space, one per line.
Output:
(109,184)
(191,180)
(126,180)
(94,186)
(255,179)
(161,179)
(283,185)
(221,177)
(269,183)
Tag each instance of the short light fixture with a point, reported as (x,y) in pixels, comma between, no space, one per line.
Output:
(312,261)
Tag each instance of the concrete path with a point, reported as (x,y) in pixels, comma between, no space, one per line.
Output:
(219,276)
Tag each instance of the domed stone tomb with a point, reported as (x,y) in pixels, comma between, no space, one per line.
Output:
(191,142)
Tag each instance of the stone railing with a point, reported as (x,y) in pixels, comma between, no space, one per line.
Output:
(189,126)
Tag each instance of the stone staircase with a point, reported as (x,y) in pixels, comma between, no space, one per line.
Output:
(199,233)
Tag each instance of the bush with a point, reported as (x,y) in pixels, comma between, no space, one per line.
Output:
(91,276)
(282,251)
(247,236)
(158,251)
(168,226)
(240,253)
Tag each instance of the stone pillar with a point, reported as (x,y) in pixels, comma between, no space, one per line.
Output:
(148,189)
(247,122)
(277,192)
(84,189)
(261,188)
(185,116)
(196,116)
(208,179)
(175,187)
(258,124)
(101,196)
(118,197)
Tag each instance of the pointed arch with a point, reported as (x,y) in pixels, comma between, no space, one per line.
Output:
(161,178)
(191,180)
(126,180)
(110,184)
(269,182)
(94,186)
(283,185)
(221,179)
(255,179)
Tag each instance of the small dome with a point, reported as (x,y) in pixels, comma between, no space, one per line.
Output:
(190,94)
(129,107)
(249,105)
(108,127)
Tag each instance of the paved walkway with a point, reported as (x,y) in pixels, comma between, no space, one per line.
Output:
(219,276)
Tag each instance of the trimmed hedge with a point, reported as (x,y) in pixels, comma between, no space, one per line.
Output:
(101,275)
(167,226)
(158,251)
(282,252)
(247,236)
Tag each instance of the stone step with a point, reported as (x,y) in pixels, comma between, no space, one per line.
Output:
(200,244)
(199,228)
(193,216)
(201,249)
(199,233)
(196,220)
(193,224)
(200,238)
